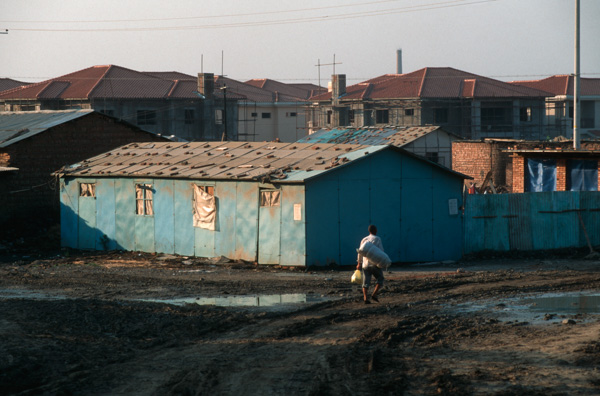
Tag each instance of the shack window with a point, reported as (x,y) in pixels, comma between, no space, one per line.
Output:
(87,189)
(143,200)
(583,175)
(204,207)
(270,197)
(541,175)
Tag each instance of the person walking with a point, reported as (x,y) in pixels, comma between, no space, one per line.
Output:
(370,269)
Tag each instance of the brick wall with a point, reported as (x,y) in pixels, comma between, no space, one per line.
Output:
(33,192)
(472,159)
(561,174)
(518,167)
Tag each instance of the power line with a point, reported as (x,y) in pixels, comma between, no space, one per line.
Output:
(324,18)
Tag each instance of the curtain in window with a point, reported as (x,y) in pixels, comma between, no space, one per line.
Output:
(270,198)
(541,175)
(583,175)
(204,209)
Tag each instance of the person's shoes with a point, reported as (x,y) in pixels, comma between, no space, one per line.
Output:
(374,298)
(367,302)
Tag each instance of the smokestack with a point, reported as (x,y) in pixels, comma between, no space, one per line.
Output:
(399,61)
(338,86)
(206,84)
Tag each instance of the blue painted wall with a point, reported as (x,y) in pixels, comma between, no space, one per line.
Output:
(317,223)
(405,197)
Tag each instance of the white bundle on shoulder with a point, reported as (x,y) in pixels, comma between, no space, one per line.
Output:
(374,255)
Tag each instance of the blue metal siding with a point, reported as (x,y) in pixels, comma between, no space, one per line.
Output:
(224,238)
(86,229)
(125,214)
(69,206)
(293,242)
(246,222)
(417,221)
(183,221)
(322,219)
(164,219)
(531,221)
(105,215)
(447,228)
(269,234)
(355,215)
(144,224)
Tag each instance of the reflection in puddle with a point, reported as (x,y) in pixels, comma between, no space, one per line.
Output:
(549,308)
(261,300)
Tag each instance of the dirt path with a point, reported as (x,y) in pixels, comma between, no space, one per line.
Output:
(84,331)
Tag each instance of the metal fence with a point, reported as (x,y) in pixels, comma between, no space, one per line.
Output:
(531,221)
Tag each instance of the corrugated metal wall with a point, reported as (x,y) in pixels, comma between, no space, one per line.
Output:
(531,221)
(108,221)
(406,198)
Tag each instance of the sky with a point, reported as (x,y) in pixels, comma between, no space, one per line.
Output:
(285,40)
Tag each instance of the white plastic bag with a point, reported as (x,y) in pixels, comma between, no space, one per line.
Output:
(356,277)
(375,255)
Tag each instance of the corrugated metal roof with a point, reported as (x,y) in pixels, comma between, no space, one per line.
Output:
(16,126)
(397,136)
(267,161)
(257,161)
(435,82)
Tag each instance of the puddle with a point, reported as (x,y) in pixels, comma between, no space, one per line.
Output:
(29,294)
(261,300)
(540,308)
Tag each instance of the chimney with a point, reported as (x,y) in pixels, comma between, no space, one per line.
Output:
(206,84)
(338,86)
(399,61)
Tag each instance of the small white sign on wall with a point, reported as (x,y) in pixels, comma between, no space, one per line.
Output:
(453,206)
(297,212)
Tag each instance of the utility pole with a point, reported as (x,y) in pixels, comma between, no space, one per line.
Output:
(576,115)
(319,64)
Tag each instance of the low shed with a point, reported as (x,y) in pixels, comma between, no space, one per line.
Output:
(290,204)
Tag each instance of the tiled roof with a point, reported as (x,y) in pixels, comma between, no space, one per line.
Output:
(267,161)
(8,83)
(432,83)
(109,81)
(249,92)
(296,91)
(560,85)
(397,136)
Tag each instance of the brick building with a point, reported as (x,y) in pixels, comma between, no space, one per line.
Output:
(505,163)
(35,144)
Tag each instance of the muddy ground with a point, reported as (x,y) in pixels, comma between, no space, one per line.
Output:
(72,322)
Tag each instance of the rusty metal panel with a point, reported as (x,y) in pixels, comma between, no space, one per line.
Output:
(246,221)
(269,234)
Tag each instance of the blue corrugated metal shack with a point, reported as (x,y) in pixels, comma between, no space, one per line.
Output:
(290,204)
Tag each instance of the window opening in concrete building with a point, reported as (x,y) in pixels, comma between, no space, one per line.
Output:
(219,117)
(433,157)
(290,114)
(143,200)
(265,115)
(254,115)
(409,112)
(189,116)
(588,116)
(440,116)
(351,116)
(494,119)
(146,117)
(525,114)
(382,116)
